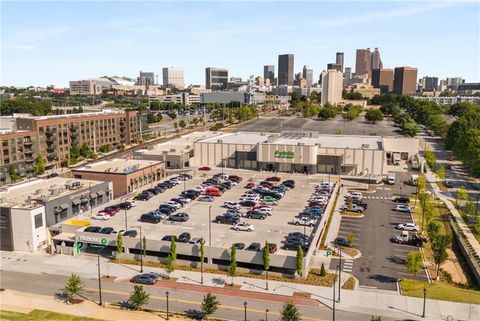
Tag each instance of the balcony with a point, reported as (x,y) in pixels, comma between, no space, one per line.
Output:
(27,144)
(50,149)
(29,152)
(49,133)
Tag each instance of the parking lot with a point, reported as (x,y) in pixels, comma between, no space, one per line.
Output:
(273,229)
(382,262)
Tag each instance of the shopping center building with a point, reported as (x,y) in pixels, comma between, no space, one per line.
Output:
(305,152)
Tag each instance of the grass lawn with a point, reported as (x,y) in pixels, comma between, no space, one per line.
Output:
(40,315)
(439,291)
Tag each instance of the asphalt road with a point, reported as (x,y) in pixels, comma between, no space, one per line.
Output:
(382,262)
(179,300)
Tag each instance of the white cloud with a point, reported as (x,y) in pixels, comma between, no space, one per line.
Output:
(19,46)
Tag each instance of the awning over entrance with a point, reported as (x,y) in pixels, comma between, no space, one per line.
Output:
(76,201)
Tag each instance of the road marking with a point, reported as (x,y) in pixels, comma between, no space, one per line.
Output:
(227,307)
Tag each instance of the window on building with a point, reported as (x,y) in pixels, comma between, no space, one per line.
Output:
(4,222)
(38,220)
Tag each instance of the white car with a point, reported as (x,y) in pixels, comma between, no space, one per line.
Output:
(101,217)
(174,204)
(355,194)
(407,227)
(403,208)
(243,226)
(232,205)
(198,189)
(185,199)
(132,203)
(264,210)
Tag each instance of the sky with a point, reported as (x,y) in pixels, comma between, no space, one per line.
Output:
(52,42)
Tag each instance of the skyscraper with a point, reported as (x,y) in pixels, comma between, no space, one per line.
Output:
(146,78)
(337,67)
(173,78)
(405,80)
(216,78)
(269,73)
(348,73)
(376,61)
(332,86)
(308,75)
(430,83)
(362,62)
(383,79)
(339,60)
(285,69)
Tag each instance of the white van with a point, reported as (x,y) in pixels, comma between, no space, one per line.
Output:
(391,178)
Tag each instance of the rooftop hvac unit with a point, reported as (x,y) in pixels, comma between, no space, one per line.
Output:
(38,191)
(301,144)
(172,150)
(219,141)
(365,145)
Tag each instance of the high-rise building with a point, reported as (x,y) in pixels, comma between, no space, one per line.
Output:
(348,73)
(429,83)
(148,78)
(405,80)
(308,75)
(362,62)
(173,78)
(332,86)
(285,69)
(383,79)
(216,78)
(337,67)
(339,60)
(454,81)
(376,60)
(269,73)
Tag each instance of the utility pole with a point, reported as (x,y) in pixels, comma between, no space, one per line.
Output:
(99,281)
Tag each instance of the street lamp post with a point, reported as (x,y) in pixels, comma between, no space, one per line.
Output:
(184,181)
(424,301)
(266,314)
(333,298)
(339,272)
(210,226)
(168,309)
(245,304)
(141,247)
(99,281)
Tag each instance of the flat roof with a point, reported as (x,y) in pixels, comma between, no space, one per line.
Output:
(181,144)
(307,138)
(85,114)
(118,166)
(43,189)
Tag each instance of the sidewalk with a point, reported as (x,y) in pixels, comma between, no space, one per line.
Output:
(383,303)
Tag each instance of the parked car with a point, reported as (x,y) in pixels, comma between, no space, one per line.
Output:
(125,206)
(256,215)
(205,198)
(52,175)
(234,178)
(341,241)
(101,216)
(92,229)
(269,202)
(169,238)
(272,248)
(195,240)
(179,201)
(247,203)
(108,212)
(302,220)
(402,199)
(243,226)
(152,190)
(293,244)
(353,208)
(204,168)
(106,230)
(130,233)
(180,217)
(273,179)
(145,278)
(407,227)
(143,197)
(173,204)
(403,208)
(132,203)
(250,185)
(254,247)
(231,205)
(184,237)
(239,246)
(149,218)
(227,219)
(213,191)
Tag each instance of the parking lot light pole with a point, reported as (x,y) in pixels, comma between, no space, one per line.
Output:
(424,301)
(266,314)
(210,225)
(141,247)
(168,308)
(184,180)
(333,298)
(245,304)
(339,272)
(99,281)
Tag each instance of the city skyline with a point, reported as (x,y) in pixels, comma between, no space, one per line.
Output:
(58,42)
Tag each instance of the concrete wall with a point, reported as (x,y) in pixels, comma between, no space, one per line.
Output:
(211,154)
(25,236)
(301,154)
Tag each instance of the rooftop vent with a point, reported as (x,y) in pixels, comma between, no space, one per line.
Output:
(365,145)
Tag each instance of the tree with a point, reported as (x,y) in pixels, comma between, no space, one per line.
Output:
(209,305)
(433,229)
(351,238)
(441,173)
(39,165)
(85,151)
(462,194)
(266,262)
(299,260)
(195,121)
(119,243)
(374,115)
(175,124)
(410,129)
(169,264)
(74,152)
(322,270)
(376,318)
(12,173)
(439,248)
(414,262)
(290,312)
(138,297)
(327,112)
(182,124)
(421,184)
(202,257)
(173,248)
(74,286)
(232,267)
(430,158)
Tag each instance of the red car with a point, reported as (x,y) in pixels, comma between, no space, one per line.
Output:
(250,185)
(204,168)
(272,248)
(273,179)
(235,178)
(109,212)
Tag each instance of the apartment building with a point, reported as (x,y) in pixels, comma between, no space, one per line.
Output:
(53,136)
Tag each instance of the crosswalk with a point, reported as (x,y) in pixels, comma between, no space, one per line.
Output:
(347,265)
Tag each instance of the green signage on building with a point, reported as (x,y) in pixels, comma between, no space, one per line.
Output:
(284,154)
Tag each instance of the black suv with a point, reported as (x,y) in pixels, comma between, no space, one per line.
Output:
(143,197)
(150,218)
(125,206)
(93,229)
(254,247)
(106,230)
(184,237)
(257,215)
(226,219)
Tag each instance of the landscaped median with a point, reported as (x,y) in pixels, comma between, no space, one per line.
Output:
(40,315)
(439,291)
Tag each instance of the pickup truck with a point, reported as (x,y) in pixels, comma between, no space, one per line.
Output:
(354,208)
(405,238)
(304,221)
